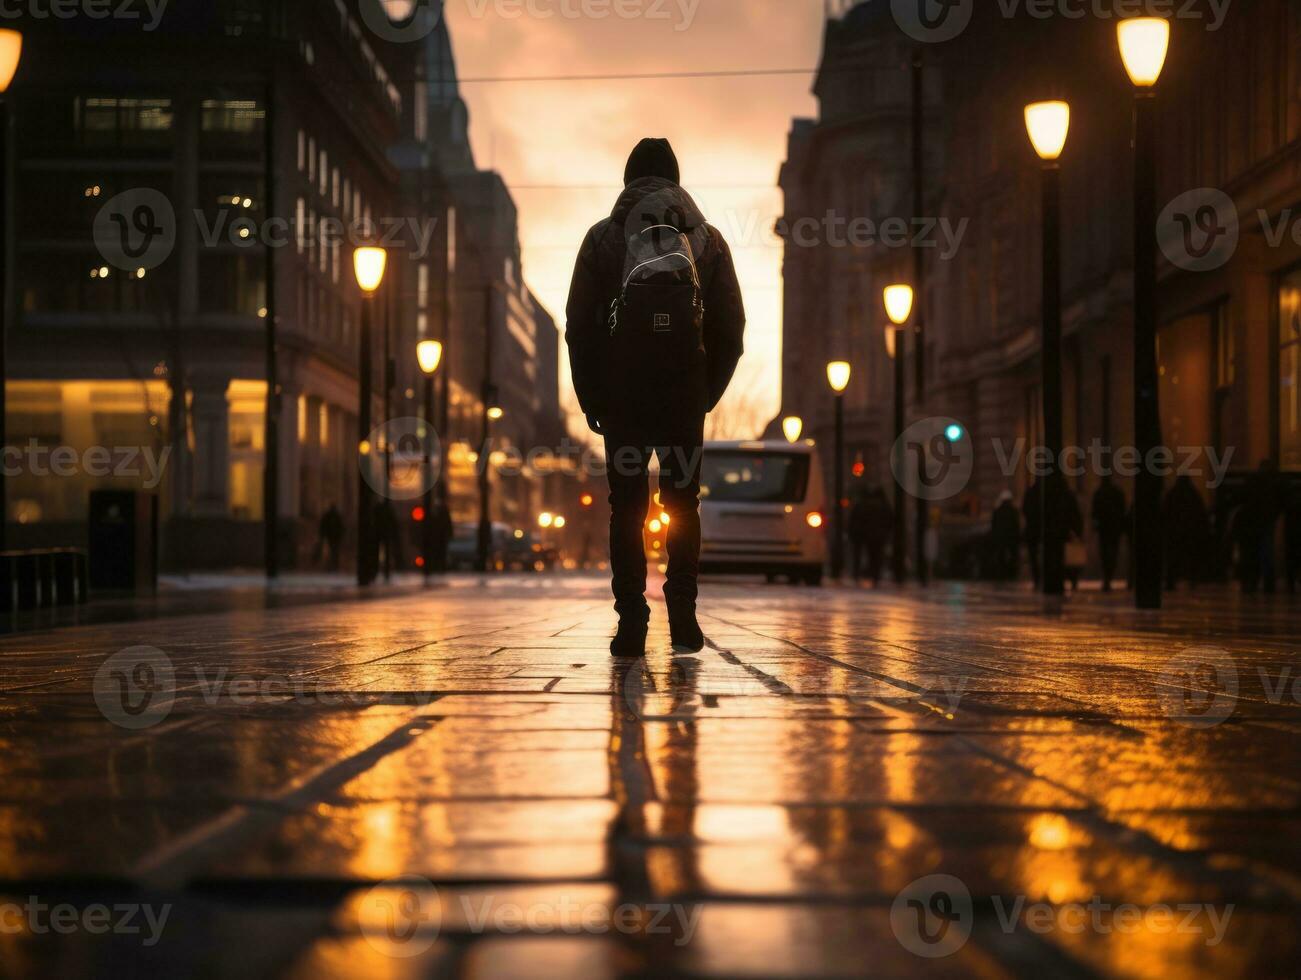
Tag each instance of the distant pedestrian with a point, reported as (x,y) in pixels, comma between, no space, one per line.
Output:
(1186,529)
(1254,526)
(331,535)
(871,520)
(440,531)
(1005,538)
(1032,511)
(386,533)
(1107,513)
(1292,535)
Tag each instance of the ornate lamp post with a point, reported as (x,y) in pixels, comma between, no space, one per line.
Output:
(368,265)
(838,377)
(1048,124)
(898,307)
(1144,43)
(429,354)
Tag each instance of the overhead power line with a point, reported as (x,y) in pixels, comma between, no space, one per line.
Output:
(733,73)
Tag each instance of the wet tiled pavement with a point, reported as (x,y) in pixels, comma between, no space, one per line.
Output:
(844,782)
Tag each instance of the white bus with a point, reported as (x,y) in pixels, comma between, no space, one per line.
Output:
(763,510)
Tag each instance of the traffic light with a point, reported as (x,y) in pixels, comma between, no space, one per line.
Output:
(586,500)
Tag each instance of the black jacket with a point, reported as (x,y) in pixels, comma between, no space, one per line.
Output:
(598,277)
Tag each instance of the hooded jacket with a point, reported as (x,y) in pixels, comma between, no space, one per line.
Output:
(598,278)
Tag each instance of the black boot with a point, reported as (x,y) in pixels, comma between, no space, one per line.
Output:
(630,639)
(684,631)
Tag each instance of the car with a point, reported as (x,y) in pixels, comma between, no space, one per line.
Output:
(763,509)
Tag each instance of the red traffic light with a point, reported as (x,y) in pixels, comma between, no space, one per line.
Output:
(417,514)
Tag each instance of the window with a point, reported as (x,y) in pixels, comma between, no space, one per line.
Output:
(1289,371)
(754,477)
(108,122)
(231,283)
(302,151)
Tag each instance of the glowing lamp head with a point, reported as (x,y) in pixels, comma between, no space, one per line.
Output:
(838,375)
(429,354)
(368,263)
(792,426)
(898,303)
(495,412)
(1144,43)
(953,432)
(559,522)
(11,49)
(546,519)
(1048,123)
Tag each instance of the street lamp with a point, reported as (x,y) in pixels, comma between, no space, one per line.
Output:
(429,354)
(898,307)
(792,426)
(368,265)
(1048,124)
(11,49)
(1144,43)
(838,377)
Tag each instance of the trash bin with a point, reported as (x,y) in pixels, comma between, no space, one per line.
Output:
(123,538)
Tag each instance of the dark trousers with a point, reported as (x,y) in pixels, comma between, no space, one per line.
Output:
(628,469)
(871,552)
(1109,546)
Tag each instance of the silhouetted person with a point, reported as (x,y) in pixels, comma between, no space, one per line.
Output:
(1071,529)
(386,535)
(654,329)
(1186,528)
(1032,511)
(1292,535)
(1069,522)
(1254,527)
(332,535)
(1005,537)
(871,520)
(440,531)
(1108,514)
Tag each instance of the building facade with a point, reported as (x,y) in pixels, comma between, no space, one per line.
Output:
(171,356)
(1227,332)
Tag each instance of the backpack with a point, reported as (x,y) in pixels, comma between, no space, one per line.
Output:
(656,325)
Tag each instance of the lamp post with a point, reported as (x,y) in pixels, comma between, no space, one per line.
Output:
(368,265)
(838,377)
(1048,124)
(1144,43)
(898,307)
(491,413)
(11,49)
(792,427)
(428,355)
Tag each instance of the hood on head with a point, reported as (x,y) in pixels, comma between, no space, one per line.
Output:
(652,158)
(654,200)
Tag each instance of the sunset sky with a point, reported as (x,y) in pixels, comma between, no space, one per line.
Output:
(561,145)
